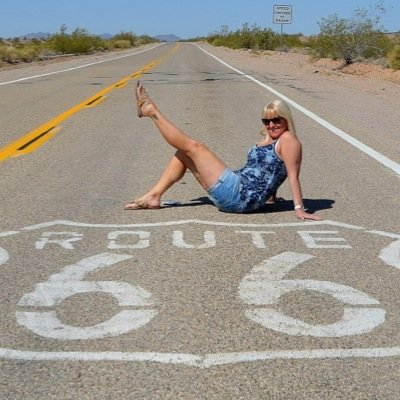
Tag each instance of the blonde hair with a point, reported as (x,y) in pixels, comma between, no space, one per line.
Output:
(281,109)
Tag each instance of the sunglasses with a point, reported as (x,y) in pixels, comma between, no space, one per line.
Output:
(275,121)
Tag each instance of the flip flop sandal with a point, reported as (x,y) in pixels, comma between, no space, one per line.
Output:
(141,98)
(140,205)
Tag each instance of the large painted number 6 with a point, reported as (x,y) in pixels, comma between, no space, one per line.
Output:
(70,282)
(264,286)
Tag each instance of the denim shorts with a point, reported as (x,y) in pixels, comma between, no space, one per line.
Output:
(225,193)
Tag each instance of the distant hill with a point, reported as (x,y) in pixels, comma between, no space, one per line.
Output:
(36,35)
(44,35)
(106,36)
(167,38)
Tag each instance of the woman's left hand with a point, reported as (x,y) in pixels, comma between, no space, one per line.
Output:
(303,215)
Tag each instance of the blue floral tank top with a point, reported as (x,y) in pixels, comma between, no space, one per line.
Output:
(261,176)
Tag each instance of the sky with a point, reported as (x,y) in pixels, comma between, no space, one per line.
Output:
(184,18)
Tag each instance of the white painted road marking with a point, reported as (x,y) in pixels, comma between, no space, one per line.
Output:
(264,285)
(313,240)
(195,360)
(390,255)
(63,222)
(68,283)
(3,256)
(209,241)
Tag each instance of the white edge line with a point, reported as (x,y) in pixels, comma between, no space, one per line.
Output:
(190,221)
(166,358)
(193,360)
(338,132)
(233,358)
(78,67)
(10,233)
(387,234)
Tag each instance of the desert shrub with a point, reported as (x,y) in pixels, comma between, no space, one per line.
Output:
(253,38)
(127,36)
(266,39)
(108,45)
(378,46)
(60,43)
(348,39)
(83,42)
(28,54)
(145,39)
(292,41)
(394,57)
(121,44)
(216,41)
(80,41)
(9,54)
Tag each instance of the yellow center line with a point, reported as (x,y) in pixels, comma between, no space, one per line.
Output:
(38,136)
(29,147)
(51,124)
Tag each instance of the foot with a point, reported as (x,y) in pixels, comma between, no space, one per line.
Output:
(145,107)
(274,199)
(144,203)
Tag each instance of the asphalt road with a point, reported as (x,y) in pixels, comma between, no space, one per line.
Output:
(186,302)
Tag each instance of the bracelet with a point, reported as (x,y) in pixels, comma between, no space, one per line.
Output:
(298,207)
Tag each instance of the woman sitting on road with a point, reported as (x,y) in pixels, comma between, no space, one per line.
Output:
(243,190)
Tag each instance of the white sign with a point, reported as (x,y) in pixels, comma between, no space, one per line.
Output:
(282,14)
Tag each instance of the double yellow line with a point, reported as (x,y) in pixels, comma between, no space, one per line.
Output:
(37,137)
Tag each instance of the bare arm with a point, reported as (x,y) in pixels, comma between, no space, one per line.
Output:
(291,153)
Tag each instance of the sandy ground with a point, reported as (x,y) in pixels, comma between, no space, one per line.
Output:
(326,66)
(362,75)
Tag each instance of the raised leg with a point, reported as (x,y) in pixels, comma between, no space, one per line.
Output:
(191,154)
(204,164)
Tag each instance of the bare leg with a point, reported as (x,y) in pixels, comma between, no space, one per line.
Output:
(172,174)
(191,154)
(204,164)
